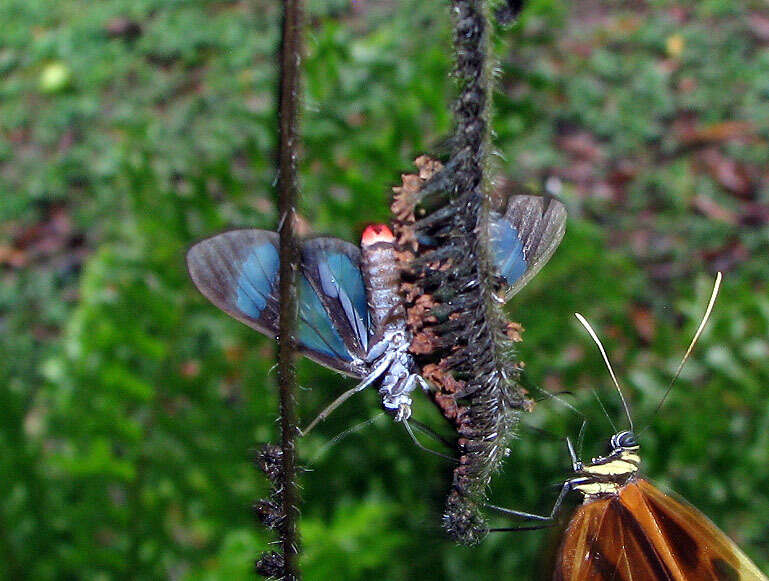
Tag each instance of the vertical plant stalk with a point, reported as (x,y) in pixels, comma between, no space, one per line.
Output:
(288,191)
(459,329)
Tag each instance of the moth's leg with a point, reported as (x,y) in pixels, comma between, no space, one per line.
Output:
(422,446)
(380,346)
(425,429)
(375,373)
(390,316)
(426,387)
(382,333)
(408,386)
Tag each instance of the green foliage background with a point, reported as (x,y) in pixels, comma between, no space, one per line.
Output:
(129,405)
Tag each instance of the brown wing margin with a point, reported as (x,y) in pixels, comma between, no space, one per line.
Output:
(699,549)
(541,224)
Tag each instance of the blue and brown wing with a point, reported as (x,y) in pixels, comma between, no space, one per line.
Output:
(238,271)
(333,268)
(524,232)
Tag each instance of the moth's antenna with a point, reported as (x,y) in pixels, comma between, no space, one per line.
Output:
(705,317)
(589,329)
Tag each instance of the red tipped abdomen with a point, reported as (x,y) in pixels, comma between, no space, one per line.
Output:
(382,277)
(377,233)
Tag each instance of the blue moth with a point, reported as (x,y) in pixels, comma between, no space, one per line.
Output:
(351,317)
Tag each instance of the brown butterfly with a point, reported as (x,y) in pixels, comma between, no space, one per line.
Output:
(627,529)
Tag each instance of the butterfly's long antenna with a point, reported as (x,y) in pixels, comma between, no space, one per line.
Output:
(705,317)
(608,366)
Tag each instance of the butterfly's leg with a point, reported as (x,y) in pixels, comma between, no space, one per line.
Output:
(580,438)
(530,516)
(576,463)
(559,501)
(518,513)
(378,370)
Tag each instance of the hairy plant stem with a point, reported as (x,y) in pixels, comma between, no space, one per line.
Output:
(459,327)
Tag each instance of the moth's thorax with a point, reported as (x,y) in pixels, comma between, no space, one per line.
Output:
(381,274)
(606,475)
(398,379)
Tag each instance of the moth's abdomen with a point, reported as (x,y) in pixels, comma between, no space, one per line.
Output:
(381,274)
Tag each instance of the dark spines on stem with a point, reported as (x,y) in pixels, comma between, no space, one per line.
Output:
(268,512)
(268,459)
(270,564)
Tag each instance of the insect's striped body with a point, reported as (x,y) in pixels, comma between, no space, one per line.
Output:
(608,474)
(381,269)
(382,279)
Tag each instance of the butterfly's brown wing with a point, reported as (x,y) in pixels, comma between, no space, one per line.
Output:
(643,534)
(700,549)
(604,542)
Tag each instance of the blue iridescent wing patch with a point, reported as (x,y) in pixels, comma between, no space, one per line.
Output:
(333,268)
(316,334)
(238,271)
(523,236)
